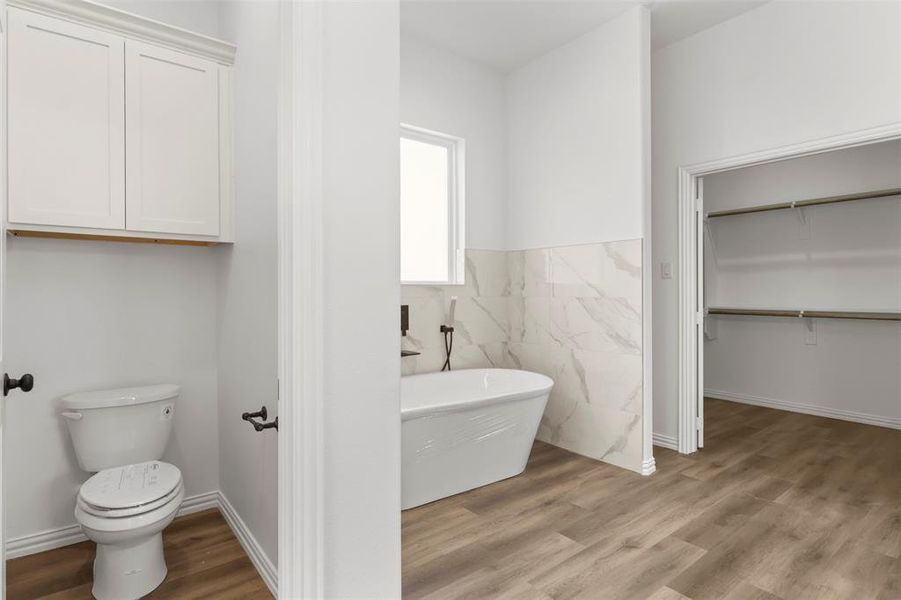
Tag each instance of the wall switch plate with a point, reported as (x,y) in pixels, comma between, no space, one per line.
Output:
(666,270)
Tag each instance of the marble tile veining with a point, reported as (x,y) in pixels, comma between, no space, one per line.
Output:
(572,313)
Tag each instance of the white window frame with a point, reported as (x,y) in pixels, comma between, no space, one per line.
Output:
(456,201)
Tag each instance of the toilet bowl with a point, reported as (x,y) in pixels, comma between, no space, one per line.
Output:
(120,435)
(124,510)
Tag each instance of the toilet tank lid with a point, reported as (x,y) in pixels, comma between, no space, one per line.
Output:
(120,396)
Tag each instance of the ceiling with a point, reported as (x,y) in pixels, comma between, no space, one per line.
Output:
(506,34)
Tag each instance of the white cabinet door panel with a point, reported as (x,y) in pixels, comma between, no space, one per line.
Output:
(172,141)
(65,123)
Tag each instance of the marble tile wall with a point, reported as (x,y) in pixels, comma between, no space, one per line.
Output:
(572,313)
(575,316)
(481,326)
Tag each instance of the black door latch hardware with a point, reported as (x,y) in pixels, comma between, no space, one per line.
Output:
(24,383)
(251,417)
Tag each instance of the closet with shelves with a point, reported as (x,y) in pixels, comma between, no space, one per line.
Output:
(802,284)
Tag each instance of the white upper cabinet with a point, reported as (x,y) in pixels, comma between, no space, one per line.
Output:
(118,126)
(172,141)
(66,123)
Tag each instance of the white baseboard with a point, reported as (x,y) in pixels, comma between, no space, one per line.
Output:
(649,466)
(198,503)
(666,441)
(807,409)
(72,534)
(44,540)
(253,549)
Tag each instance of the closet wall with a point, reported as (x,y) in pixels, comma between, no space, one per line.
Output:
(846,257)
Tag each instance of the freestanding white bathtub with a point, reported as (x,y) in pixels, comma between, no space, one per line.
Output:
(464,429)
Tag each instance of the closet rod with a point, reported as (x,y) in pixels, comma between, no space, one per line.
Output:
(810,314)
(803,203)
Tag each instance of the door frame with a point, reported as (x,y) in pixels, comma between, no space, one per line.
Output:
(690,303)
(300,301)
(4,28)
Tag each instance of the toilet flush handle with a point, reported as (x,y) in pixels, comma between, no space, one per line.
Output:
(73,416)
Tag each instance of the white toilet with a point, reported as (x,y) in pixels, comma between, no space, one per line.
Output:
(121,434)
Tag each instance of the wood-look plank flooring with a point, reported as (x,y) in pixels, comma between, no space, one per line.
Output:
(205,560)
(777,506)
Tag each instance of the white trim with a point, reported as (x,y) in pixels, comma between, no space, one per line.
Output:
(72,534)
(647,256)
(133,26)
(300,300)
(688,363)
(4,27)
(666,441)
(254,551)
(807,409)
(226,154)
(44,540)
(686,283)
(198,503)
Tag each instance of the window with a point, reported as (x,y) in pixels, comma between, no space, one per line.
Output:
(431,207)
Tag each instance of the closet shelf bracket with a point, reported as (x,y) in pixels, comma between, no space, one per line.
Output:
(803,221)
(799,212)
(708,233)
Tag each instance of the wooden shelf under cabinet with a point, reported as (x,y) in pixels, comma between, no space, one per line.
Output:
(106,238)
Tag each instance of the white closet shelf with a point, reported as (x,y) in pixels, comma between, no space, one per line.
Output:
(808,314)
(805,203)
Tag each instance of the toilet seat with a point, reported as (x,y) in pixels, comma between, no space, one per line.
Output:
(130,490)
(109,530)
(132,511)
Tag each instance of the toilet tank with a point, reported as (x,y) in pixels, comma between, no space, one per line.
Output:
(111,428)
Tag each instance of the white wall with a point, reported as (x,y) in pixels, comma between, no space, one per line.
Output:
(96,315)
(248,278)
(575,140)
(362,270)
(848,257)
(784,73)
(444,92)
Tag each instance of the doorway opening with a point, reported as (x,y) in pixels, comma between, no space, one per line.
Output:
(789,295)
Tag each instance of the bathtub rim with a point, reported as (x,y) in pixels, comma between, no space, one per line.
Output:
(503,398)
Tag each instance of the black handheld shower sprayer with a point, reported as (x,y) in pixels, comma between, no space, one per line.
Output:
(448,330)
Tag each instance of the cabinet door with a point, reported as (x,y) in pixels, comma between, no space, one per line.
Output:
(66,123)
(172,141)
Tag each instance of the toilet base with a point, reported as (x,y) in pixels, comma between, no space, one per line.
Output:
(129,570)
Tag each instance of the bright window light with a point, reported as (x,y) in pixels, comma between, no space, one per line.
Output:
(431,207)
